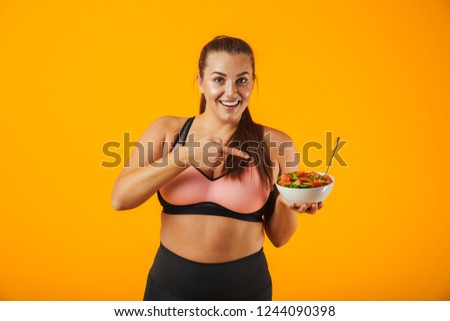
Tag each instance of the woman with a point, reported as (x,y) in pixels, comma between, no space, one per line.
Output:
(214,176)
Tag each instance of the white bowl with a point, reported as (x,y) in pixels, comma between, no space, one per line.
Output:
(306,195)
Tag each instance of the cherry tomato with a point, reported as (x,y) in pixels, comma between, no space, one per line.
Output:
(302,174)
(286,177)
(281,182)
(316,183)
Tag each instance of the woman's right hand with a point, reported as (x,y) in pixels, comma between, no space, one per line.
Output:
(207,152)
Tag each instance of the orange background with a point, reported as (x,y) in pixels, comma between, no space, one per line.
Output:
(75,75)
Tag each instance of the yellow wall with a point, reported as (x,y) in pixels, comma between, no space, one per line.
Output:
(75,75)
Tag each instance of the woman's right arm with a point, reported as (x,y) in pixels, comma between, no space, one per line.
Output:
(148,169)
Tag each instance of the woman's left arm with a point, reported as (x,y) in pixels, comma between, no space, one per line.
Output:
(282,223)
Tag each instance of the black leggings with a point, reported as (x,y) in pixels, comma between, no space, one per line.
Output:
(173,278)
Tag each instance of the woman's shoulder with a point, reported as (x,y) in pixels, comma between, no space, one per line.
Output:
(163,128)
(281,148)
(275,135)
(168,121)
(168,124)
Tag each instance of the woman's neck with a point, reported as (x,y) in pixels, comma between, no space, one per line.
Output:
(216,126)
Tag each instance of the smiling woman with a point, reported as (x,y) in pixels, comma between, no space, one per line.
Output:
(216,205)
(232,90)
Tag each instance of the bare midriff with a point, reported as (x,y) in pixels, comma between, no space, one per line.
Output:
(210,239)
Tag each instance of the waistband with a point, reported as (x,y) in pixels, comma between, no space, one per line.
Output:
(233,280)
(243,259)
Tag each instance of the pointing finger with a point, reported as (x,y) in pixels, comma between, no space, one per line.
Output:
(236,152)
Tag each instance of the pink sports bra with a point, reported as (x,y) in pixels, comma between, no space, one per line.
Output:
(193,192)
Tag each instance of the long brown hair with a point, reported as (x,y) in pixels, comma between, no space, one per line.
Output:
(249,135)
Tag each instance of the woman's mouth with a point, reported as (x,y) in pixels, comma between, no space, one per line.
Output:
(230,104)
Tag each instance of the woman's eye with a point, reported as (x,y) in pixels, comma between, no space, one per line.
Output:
(218,80)
(242,81)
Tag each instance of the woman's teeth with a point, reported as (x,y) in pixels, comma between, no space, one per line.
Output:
(229,103)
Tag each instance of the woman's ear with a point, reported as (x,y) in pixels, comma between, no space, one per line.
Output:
(199,82)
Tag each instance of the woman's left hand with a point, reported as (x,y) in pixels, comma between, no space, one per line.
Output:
(309,208)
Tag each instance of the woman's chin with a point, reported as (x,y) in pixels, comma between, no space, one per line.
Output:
(231,114)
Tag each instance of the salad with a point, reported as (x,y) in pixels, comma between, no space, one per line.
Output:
(303,180)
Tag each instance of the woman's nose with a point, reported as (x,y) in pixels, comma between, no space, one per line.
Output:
(231,88)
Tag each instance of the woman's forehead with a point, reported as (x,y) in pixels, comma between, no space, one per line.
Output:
(232,62)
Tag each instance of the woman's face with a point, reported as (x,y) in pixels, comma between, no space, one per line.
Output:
(227,84)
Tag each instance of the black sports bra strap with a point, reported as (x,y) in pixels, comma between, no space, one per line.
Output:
(185,130)
(183,133)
